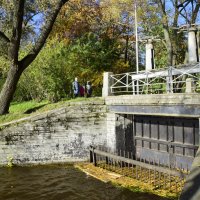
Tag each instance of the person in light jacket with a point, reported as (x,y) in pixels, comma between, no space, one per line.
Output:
(76,87)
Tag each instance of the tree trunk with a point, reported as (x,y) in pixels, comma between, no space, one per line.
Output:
(17,67)
(169,47)
(9,88)
(126,50)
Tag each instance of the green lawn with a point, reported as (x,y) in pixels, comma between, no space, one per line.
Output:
(24,109)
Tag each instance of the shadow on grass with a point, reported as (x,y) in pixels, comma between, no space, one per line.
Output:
(31,110)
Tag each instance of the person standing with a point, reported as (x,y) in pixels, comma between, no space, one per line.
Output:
(88,89)
(76,87)
(82,91)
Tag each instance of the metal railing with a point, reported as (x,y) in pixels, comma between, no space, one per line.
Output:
(168,80)
(153,172)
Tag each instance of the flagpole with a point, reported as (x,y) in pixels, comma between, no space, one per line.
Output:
(136,38)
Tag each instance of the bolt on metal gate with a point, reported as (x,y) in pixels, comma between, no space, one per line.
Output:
(149,171)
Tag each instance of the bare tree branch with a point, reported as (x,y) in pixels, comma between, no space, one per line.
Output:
(30,18)
(195,12)
(4,37)
(43,36)
(16,30)
(176,15)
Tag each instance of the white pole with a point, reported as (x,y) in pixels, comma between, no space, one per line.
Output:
(192,46)
(136,38)
(136,47)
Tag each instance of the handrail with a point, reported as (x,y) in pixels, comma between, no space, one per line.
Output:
(165,80)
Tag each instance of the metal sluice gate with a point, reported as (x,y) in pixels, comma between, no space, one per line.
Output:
(151,171)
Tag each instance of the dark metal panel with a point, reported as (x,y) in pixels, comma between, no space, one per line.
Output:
(120,137)
(138,129)
(153,155)
(154,131)
(128,124)
(189,136)
(196,136)
(146,131)
(163,133)
(178,135)
(175,138)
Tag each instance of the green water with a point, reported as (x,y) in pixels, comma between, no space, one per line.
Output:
(59,183)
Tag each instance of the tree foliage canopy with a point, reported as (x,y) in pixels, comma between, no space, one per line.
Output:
(88,38)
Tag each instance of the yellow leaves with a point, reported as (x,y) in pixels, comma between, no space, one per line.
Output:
(7,4)
(4,65)
(44,5)
(77,17)
(120,67)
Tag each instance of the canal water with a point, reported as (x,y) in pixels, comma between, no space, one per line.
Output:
(60,183)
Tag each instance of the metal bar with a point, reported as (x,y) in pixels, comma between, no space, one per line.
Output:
(158,141)
(159,174)
(149,173)
(154,173)
(164,181)
(164,73)
(140,169)
(120,154)
(136,173)
(140,164)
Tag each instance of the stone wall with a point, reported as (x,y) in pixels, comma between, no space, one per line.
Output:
(61,135)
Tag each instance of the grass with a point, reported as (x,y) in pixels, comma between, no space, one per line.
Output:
(20,110)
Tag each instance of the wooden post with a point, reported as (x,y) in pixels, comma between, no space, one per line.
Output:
(94,158)
(106,160)
(91,155)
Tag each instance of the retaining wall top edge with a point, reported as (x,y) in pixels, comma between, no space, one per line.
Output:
(46,113)
(154,99)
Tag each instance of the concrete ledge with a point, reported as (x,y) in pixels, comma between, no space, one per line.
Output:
(154,99)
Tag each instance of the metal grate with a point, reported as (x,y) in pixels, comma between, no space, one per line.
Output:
(150,171)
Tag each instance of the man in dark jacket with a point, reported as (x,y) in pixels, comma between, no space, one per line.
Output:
(89,89)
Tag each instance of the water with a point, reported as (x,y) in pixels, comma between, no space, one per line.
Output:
(59,183)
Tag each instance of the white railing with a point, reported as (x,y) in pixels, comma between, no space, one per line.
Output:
(168,80)
(122,83)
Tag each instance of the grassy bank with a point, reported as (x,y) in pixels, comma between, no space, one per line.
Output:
(20,110)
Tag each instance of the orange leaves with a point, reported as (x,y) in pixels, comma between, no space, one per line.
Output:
(76,18)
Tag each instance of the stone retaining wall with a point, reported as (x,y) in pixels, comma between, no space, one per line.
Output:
(62,135)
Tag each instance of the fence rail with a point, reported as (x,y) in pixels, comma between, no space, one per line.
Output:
(149,171)
(169,80)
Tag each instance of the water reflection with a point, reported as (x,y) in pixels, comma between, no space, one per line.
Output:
(59,183)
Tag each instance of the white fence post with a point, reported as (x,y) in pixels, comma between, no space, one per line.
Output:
(169,80)
(190,85)
(107,83)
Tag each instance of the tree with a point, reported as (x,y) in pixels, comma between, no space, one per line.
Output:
(46,76)
(171,14)
(14,43)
